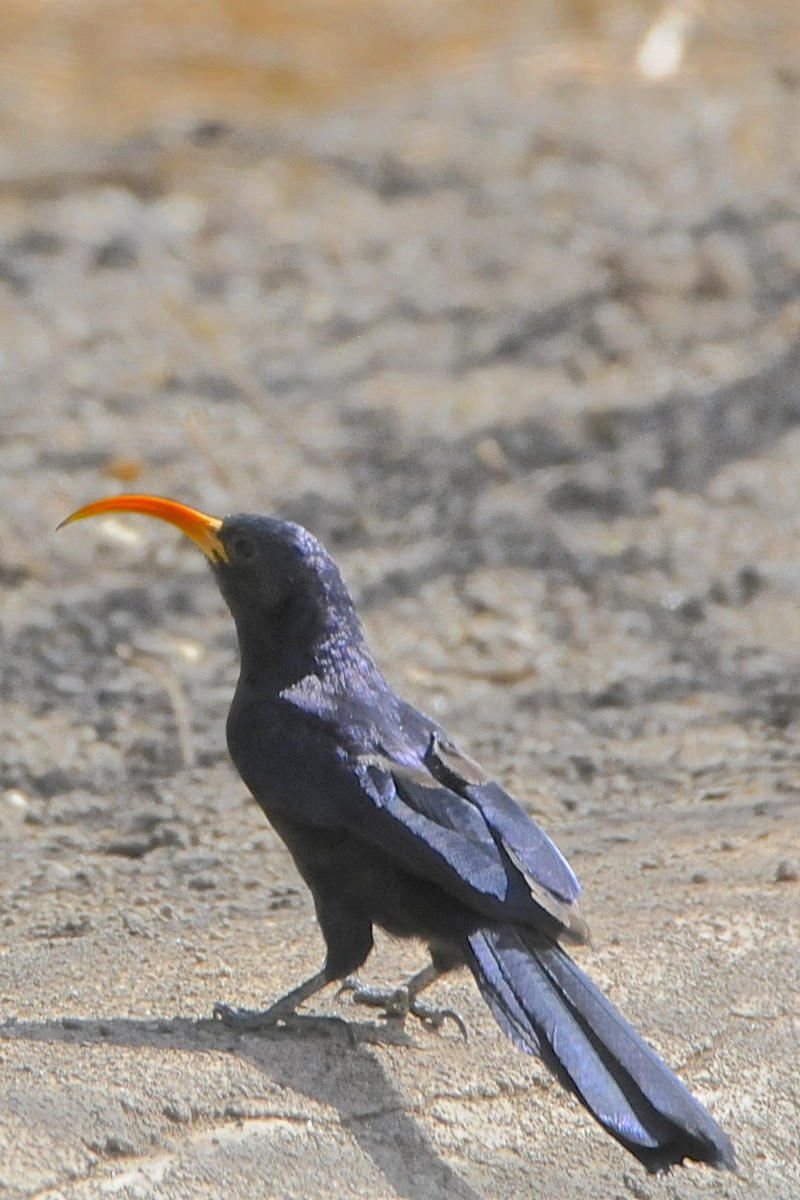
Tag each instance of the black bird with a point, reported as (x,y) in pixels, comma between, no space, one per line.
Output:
(391,825)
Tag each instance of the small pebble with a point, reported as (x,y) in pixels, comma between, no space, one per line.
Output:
(201,883)
(714,793)
(178,1111)
(119,1147)
(787,872)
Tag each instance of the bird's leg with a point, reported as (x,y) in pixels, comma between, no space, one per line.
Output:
(243,1018)
(402,1001)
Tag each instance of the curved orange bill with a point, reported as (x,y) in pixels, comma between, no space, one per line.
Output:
(201,529)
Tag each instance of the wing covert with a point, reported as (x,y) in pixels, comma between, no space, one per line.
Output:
(534,852)
(427,824)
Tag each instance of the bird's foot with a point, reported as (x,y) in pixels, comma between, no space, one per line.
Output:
(400,1003)
(395,1002)
(245,1020)
(281,1010)
(250,1019)
(434,1018)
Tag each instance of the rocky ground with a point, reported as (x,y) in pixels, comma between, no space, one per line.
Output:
(527,361)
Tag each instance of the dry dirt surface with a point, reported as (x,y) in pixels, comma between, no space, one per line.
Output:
(526,356)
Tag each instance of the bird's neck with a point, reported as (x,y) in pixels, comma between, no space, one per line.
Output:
(323,641)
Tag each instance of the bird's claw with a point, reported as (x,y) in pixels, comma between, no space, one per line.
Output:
(434,1018)
(401,1003)
(246,1018)
(395,1002)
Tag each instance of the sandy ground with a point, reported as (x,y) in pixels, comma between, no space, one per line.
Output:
(527,360)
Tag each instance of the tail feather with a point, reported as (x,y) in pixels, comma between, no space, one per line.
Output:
(548,1006)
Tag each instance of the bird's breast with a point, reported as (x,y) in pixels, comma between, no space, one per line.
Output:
(293,762)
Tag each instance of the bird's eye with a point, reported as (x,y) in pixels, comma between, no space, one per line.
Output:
(244,550)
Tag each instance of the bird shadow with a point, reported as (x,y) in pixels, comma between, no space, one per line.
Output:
(327,1059)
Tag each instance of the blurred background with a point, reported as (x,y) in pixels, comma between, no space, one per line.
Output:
(243,215)
(502,300)
(459,280)
(80,69)
(434,212)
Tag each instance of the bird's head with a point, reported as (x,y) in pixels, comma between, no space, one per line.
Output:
(285,592)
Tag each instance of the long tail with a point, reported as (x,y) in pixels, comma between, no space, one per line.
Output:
(547,1006)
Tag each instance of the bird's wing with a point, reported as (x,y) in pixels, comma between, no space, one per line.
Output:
(528,845)
(549,876)
(446,819)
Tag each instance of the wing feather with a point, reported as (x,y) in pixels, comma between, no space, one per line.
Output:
(457,837)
